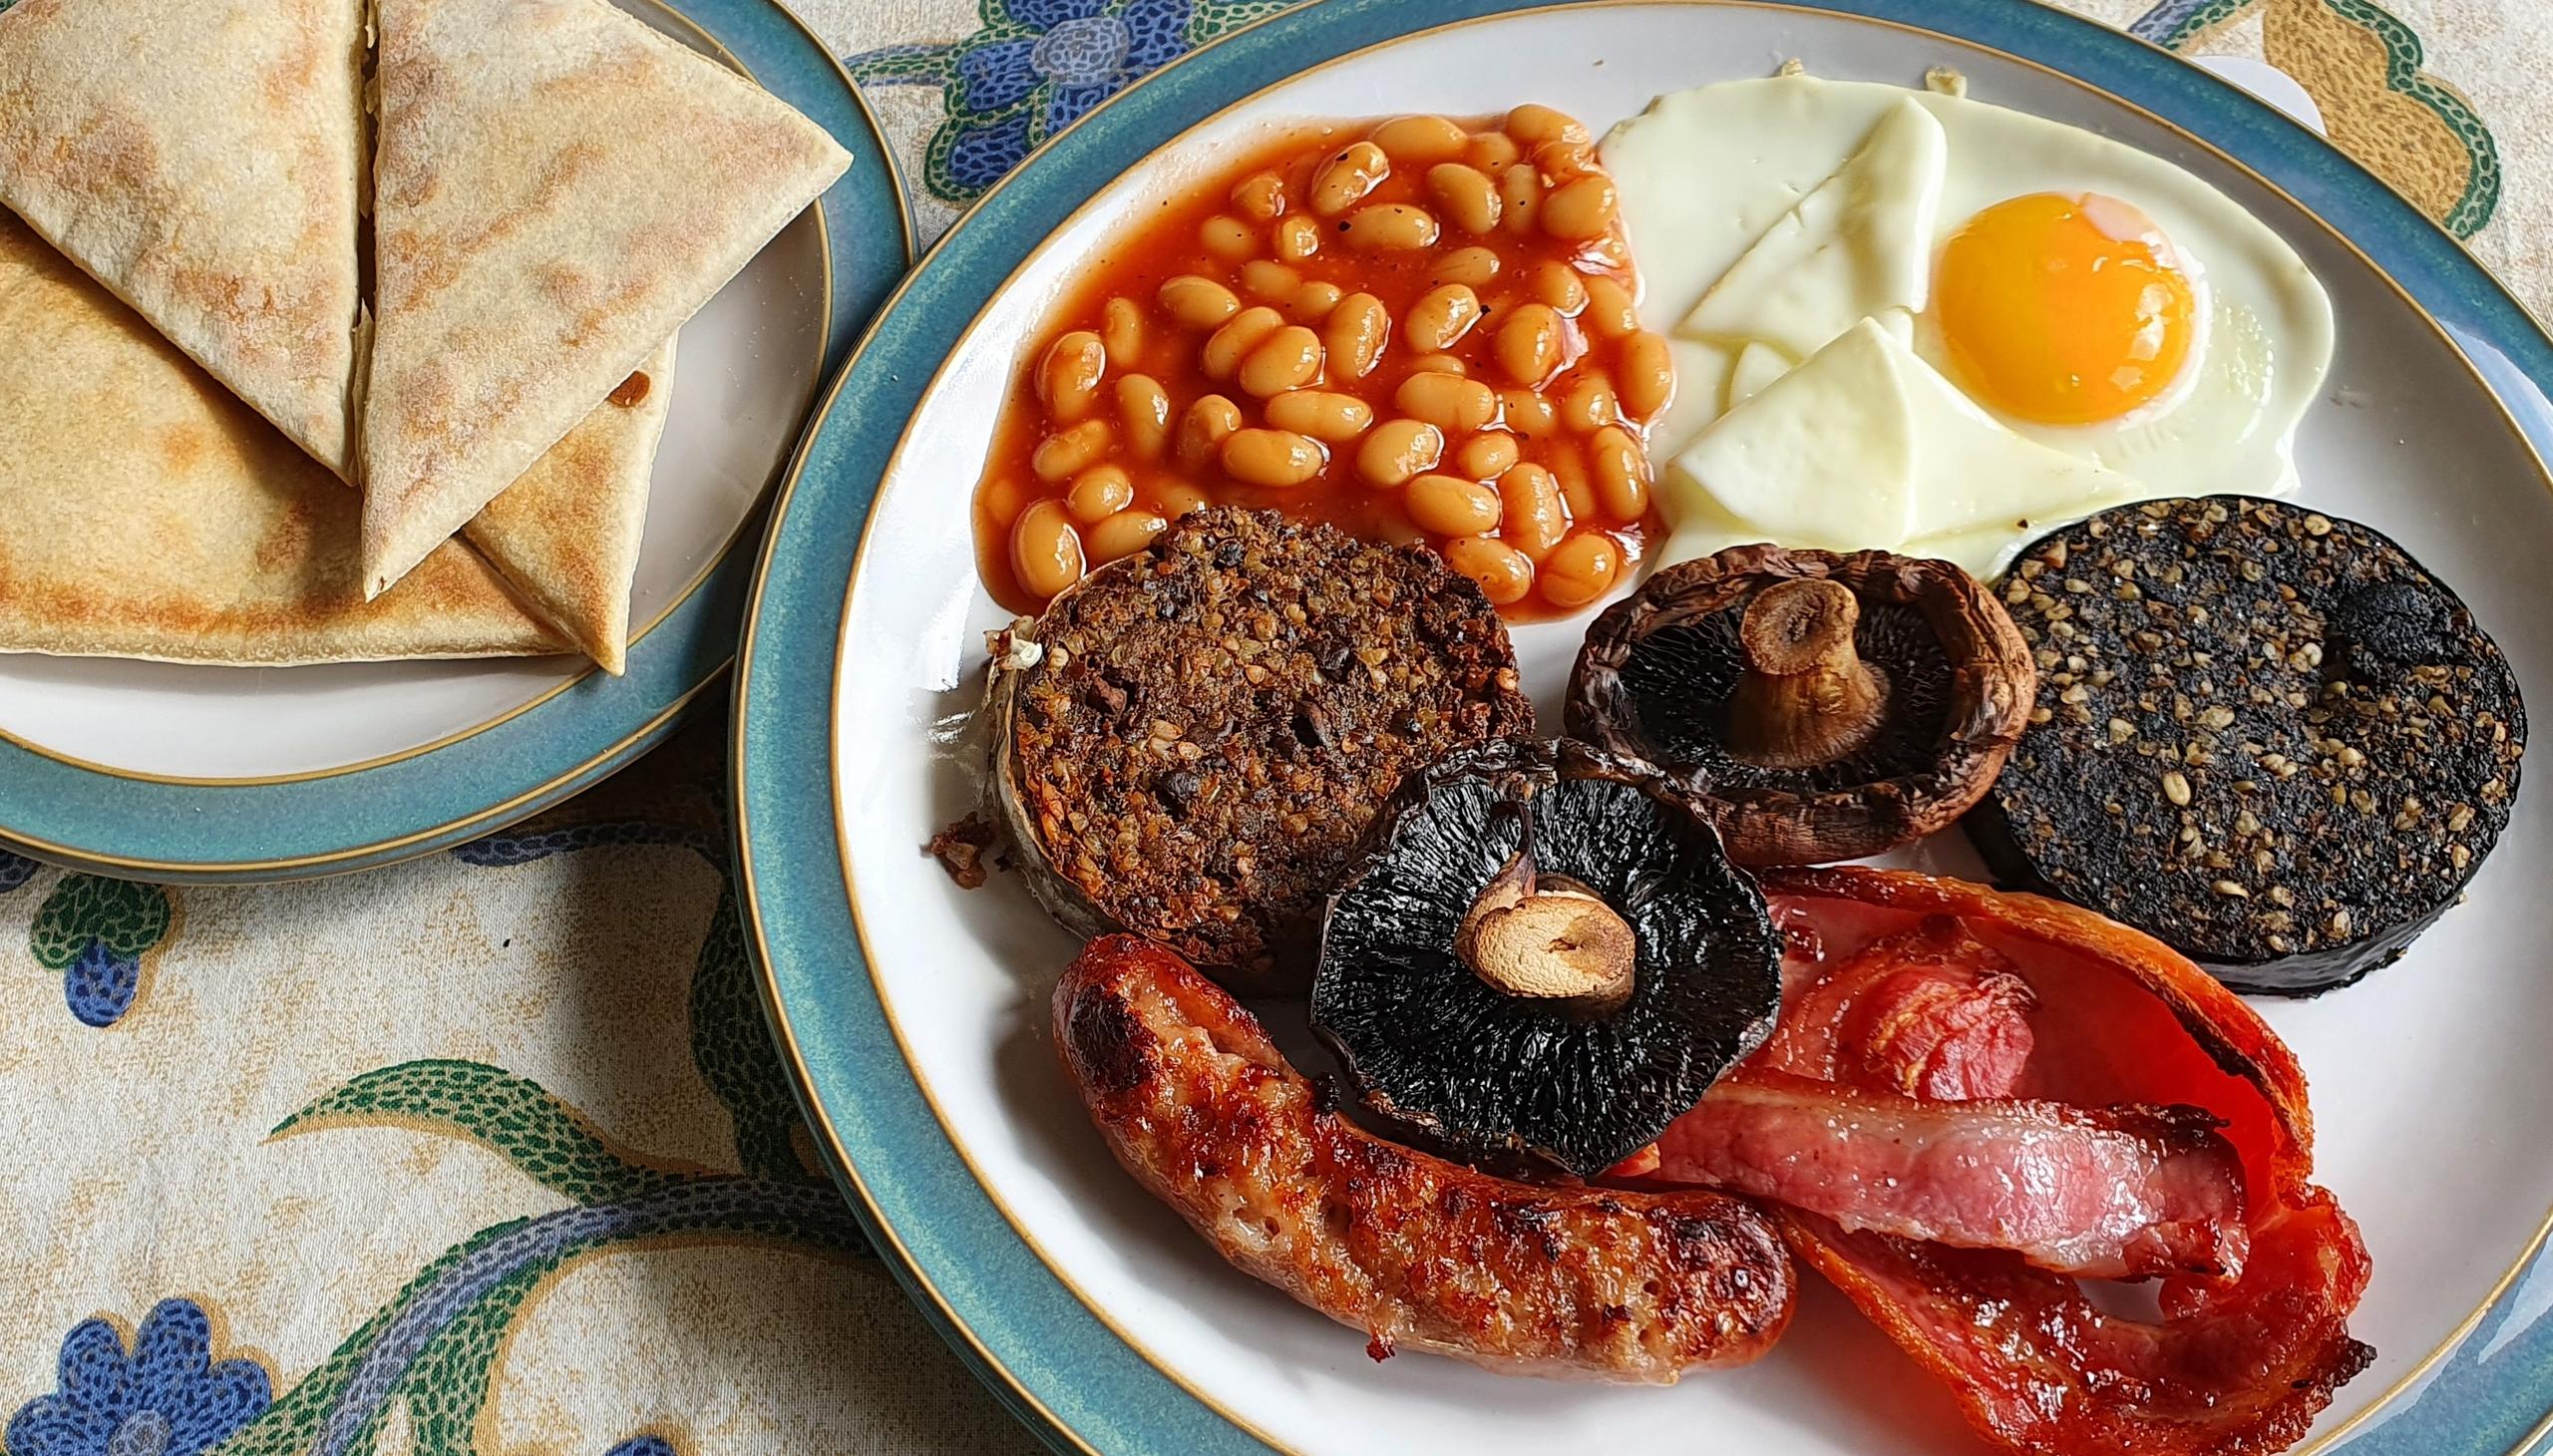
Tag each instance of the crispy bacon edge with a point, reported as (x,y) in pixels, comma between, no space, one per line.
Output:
(2029,1371)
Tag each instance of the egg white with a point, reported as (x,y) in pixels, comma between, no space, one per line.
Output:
(1704,175)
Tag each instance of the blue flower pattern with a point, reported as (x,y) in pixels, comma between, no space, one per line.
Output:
(1036,68)
(166,1396)
(15,870)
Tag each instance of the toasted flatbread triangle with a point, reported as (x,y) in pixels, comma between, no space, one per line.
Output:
(145,512)
(567,534)
(557,187)
(202,159)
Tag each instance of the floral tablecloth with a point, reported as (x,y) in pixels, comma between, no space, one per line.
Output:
(490,1153)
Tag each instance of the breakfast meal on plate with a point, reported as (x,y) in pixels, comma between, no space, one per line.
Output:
(1300,435)
(1421,330)
(1192,739)
(1910,321)
(1819,706)
(2264,736)
(1414,1252)
(552,189)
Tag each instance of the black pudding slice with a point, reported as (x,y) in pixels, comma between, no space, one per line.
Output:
(2263,735)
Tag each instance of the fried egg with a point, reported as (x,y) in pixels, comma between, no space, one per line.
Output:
(2044,282)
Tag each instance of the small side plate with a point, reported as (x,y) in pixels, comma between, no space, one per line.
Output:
(195,773)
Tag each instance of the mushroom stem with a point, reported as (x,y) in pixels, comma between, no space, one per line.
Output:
(1548,937)
(1807,697)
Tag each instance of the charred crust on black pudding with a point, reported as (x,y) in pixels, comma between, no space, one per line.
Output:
(1191,741)
(1821,706)
(2263,735)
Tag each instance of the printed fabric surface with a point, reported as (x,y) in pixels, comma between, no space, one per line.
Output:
(491,1151)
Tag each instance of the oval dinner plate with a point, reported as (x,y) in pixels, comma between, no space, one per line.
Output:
(186,773)
(915,1014)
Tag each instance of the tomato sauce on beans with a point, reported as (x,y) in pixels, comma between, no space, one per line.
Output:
(1417,330)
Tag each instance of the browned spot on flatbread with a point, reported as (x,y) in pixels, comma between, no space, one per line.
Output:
(288,539)
(180,447)
(631,391)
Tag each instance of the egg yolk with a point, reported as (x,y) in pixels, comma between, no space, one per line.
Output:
(2063,310)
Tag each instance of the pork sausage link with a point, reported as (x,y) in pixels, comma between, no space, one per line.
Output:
(1418,1253)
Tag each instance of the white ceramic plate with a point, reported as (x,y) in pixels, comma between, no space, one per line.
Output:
(2428,1079)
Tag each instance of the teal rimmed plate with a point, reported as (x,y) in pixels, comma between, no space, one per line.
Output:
(913,1013)
(191,774)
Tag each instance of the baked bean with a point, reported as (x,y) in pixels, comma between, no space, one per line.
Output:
(1491,151)
(1504,574)
(1437,364)
(1392,227)
(1447,400)
(1099,493)
(1418,141)
(1580,570)
(1568,471)
(1124,533)
(1473,268)
(1068,377)
(1397,449)
(1649,375)
(1045,551)
(1520,189)
(1534,519)
(1121,330)
(1143,415)
(1354,332)
(1286,359)
(1590,405)
(1532,122)
(1312,302)
(1466,196)
(1322,414)
(1581,208)
(1068,453)
(1528,413)
(1272,456)
(1298,238)
(1622,477)
(1226,347)
(1558,284)
(1204,427)
(1450,505)
(1228,239)
(1610,310)
(1196,303)
(1174,499)
(1347,177)
(1529,343)
(1486,454)
(1262,195)
(1003,499)
(1274,282)
(1441,316)
(1607,251)
(1563,159)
